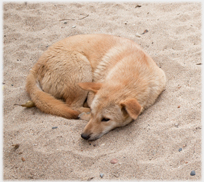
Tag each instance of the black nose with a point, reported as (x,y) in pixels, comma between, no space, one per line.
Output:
(85,136)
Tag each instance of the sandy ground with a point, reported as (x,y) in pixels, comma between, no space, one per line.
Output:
(148,148)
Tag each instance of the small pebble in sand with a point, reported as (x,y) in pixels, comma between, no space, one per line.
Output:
(74,26)
(145,31)
(89,179)
(192,173)
(16,146)
(55,127)
(199,64)
(113,161)
(180,150)
(138,6)
(176,125)
(23,159)
(101,175)
(138,35)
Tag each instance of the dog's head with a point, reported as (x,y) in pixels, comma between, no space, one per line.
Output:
(108,111)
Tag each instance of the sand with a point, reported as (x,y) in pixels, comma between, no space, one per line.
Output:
(146,149)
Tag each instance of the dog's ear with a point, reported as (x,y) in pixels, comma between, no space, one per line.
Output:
(132,107)
(90,86)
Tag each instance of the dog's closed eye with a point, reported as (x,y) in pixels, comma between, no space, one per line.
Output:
(105,119)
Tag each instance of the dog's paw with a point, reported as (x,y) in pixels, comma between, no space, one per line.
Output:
(85,116)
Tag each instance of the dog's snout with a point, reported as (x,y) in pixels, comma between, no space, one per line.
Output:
(85,136)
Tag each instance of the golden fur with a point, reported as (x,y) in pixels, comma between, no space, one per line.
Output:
(118,79)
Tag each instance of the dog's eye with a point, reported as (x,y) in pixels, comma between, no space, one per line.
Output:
(105,119)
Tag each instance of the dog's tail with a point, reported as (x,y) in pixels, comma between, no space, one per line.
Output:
(46,102)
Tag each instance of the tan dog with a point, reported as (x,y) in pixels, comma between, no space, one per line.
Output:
(118,79)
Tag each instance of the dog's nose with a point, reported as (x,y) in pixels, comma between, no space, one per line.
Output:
(85,136)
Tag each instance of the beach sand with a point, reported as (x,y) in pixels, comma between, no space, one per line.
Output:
(146,149)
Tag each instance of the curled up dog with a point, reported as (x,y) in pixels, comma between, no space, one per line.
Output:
(110,77)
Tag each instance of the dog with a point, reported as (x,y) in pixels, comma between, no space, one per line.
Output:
(105,79)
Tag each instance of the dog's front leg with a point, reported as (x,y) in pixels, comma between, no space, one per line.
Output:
(85,116)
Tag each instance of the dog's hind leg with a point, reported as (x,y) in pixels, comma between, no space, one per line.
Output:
(81,71)
(77,104)
(59,72)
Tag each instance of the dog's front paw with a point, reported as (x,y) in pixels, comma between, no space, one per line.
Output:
(85,116)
